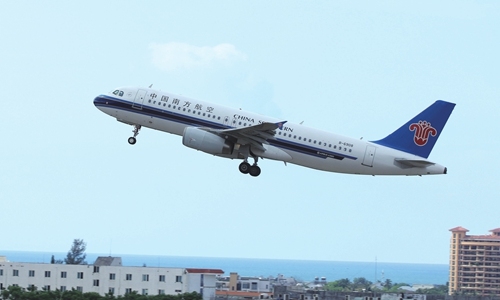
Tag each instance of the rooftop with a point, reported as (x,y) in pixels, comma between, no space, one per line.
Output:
(495,234)
(108,261)
(204,271)
(459,228)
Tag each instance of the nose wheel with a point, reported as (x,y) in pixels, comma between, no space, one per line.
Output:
(132,140)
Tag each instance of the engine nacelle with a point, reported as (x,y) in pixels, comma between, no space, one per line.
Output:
(205,141)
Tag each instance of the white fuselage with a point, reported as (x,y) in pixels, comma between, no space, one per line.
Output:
(305,146)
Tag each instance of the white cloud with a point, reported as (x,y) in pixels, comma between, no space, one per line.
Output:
(172,56)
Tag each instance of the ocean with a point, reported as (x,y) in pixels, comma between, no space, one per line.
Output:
(303,270)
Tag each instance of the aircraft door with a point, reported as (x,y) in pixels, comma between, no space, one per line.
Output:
(139,99)
(369,156)
(226,120)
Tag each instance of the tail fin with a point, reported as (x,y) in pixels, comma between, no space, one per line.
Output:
(419,135)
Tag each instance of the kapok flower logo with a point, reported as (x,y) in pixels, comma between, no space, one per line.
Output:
(423,130)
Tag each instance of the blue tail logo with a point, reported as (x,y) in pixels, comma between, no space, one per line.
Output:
(419,135)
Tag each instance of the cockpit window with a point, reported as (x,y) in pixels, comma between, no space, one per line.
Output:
(118,93)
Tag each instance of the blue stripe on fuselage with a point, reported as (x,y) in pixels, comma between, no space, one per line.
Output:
(120,104)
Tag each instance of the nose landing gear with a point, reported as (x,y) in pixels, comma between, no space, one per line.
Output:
(132,140)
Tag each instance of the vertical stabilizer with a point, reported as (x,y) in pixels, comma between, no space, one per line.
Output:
(419,135)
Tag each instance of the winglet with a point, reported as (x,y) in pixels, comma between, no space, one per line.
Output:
(280,124)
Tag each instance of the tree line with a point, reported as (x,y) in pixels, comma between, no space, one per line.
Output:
(18,293)
(361,284)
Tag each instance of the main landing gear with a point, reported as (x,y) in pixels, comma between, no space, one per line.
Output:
(132,140)
(246,168)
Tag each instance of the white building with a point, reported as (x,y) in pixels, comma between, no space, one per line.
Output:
(107,275)
(234,282)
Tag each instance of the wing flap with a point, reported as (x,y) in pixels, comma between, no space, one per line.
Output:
(256,136)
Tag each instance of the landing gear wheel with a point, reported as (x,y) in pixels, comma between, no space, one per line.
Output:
(244,167)
(132,140)
(254,171)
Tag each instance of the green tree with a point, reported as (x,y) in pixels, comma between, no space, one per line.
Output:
(18,293)
(339,285)
(361,283)
(387,284)
(76,255)
(437,290)
(13,292)
(190,296)
(55,261)
(396,287)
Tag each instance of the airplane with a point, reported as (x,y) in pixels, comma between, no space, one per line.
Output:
(238,134)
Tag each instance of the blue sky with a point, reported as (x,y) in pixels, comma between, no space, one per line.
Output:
(360,69)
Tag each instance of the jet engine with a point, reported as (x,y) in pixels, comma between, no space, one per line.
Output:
(205,141)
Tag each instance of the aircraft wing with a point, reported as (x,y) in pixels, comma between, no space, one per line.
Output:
(255,136)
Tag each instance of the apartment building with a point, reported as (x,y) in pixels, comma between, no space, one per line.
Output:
(107,275)
(474,263)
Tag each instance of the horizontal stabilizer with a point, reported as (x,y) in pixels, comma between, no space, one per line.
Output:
(414,163)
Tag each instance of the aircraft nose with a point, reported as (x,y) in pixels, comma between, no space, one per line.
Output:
(99,100)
